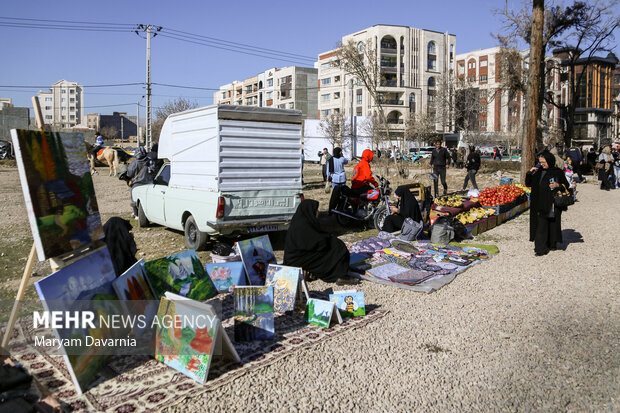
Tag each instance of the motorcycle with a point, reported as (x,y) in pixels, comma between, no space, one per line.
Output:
(5,150)
(371,205)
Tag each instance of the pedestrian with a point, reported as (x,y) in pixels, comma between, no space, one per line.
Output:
(139,172)
(545,179)
(338,176)
(576,157)
(407,207)
(616,156)
(605,169)
(316,251)
(440,161)
(453,156)
(591,158)
(460,157)
(325,157)
(473,166)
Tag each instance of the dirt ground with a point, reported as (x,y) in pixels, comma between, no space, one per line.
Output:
(517,333)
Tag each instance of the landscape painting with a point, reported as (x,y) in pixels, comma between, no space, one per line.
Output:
(133,288)
(58,191)
(256,254)
(181,273)
(319,312)
(284,281)
(82,285)
(253,312)
(349,303)
(185,347)
(226,275)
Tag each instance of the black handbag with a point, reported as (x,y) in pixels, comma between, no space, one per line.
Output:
(563,198)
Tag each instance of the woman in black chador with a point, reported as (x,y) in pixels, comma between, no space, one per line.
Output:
(545,180)
(314,250)
(408,207)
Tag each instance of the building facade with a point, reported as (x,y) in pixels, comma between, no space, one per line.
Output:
(597,94)
(124,125)
(292,87)
(12,118)
(63,105)
(411,64)
(92,121)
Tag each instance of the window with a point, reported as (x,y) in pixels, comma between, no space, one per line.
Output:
(483,78)
(483,108)
(64,117)
(512,111)
(431,82)
(432,48)
(358,111)
(359,96)
(248,89)
(336,79)
(269,95)
(282,106)
(63,100)
(360,47)
(48,99)
(326,81)
(48,116)
(325,97)
(412,103)
(48,108)
(336,111)
(325,65)
(451,52)
(71,91)
(461,69)
(223,95)
(484,63)
(482,93)
(617,79)
(325,112)
(71,108)
(483,124)
(63,108)
(432,63)
(336,95)
(269,82)
(164,176)
(63,91)
(72,117)
(471,64)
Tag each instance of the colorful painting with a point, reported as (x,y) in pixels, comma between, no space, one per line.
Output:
(133,288)
(256,254)
(349,303)
(226,275)
(83,285)
(284,281)
(185,346)
(58,191)
(253,313)
(181,273)
(319,312)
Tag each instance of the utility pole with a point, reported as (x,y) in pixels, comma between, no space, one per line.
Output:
(137,125)
(533,87)
(147,28)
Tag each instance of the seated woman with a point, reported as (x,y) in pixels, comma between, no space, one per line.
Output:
(314,250)
(408,207)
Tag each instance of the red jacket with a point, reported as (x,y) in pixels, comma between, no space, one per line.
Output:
(362,175)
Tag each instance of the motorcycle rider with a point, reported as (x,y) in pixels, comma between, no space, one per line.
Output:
(362,175)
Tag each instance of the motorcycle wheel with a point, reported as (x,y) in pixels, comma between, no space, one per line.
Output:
(379,218)
(342,220)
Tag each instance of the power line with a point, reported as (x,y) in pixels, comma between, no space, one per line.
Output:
(51,87)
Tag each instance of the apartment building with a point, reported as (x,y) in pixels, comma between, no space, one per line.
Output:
(63,105)
(92,121)
(291,87)
(411,62)
(597,95)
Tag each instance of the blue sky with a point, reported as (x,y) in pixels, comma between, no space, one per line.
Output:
(35,57)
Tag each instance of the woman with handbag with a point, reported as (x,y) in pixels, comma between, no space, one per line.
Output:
(546,180)
(605,169)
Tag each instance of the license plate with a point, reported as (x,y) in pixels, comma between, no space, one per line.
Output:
(263,228)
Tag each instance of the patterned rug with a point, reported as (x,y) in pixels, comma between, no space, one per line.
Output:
(133,384)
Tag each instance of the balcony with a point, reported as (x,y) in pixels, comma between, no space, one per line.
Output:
(392,102)
(388,83)
(395,121)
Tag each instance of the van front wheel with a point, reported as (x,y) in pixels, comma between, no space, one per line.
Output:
(194,238)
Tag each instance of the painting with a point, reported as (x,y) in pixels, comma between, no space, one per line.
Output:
(133,288)
(253,311)
(181,273)
(226,275)
(319,312)
(185,346)
(85,284)
(349,303)
(256,254)
(58,191)
(284,281)
(386,271)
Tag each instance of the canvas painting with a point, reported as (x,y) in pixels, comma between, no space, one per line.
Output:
(226,275)
(284,281)
(185,347)
(181,273)
(58,191)
(83,285)
(319,312)
(253,311)
(256,254)
(349,303)
(133,288)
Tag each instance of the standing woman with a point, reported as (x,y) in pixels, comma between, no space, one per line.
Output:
(605,165)
(314,250)
(545,180)
(408,207)
(335,170)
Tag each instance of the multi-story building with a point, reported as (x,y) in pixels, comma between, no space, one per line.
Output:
(291,87)
(616,116)
(124,125)
(63,105)
(411,64)
(92,121)
(594,106)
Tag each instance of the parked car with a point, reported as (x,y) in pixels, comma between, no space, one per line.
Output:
(424,152)
(230,169)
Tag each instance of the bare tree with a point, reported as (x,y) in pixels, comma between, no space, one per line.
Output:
(420,128)
(161,113)
(336,128)
(470,103)
(109,132)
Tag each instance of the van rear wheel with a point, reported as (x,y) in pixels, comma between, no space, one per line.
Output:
(194,238)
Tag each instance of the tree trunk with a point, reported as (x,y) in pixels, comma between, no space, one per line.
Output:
(533,96)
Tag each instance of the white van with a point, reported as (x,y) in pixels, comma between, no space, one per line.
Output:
(229,169)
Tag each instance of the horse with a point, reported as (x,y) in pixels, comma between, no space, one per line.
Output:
(105,155)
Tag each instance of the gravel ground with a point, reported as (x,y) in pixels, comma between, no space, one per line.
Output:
(517,333)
